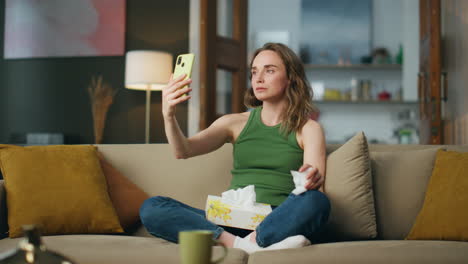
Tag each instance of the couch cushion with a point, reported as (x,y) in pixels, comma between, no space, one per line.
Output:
(98,249)
(348,185)
(372,252)
(400,179)
(445,211)
(59,188)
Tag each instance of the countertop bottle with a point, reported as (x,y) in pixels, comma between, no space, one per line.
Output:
(355,93)
(399,56)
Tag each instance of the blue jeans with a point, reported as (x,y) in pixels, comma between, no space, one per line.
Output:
(303,214)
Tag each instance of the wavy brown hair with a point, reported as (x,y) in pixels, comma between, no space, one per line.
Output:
(299,92)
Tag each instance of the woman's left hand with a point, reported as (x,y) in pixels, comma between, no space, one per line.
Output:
(314,178)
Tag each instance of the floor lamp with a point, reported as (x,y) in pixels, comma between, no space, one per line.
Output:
(148,71)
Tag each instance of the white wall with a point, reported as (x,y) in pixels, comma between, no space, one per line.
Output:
(410,49)
(387,24)
(274,15)
(194,47)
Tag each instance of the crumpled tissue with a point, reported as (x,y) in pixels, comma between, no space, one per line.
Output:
(300,180)
(237,208)
(245,197)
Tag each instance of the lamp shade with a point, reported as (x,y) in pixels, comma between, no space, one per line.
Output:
(147,68)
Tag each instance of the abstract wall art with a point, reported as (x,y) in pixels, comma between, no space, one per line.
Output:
(64,28)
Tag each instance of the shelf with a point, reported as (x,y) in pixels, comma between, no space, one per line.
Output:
(367,102)
(395,67)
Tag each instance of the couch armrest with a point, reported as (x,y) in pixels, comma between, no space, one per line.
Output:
(3,212)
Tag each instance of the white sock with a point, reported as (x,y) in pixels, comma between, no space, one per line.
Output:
(246,245)
(289,242)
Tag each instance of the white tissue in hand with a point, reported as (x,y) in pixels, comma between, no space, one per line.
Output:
(300,180)
(243,196)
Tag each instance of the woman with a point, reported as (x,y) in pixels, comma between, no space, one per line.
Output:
(276,137)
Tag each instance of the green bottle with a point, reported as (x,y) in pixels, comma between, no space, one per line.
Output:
(399,56)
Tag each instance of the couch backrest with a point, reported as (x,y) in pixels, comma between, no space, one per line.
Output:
(154,168)
(400,177)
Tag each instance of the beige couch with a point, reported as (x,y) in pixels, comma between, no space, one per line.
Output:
(398,197)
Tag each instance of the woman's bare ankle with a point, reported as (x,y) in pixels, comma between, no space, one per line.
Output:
(253,237)
(227,239)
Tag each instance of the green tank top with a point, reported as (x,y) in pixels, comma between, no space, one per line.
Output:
(264,157)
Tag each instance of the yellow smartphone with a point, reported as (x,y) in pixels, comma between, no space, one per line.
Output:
(184,63)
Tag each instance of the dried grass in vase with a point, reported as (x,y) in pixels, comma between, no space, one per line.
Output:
(102,96)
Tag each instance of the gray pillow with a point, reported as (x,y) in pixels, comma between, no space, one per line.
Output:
(400,182)
(348,185)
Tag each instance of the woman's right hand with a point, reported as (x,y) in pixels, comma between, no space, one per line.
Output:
(173,95)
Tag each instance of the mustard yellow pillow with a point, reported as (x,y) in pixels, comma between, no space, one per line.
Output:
(61,189)
(444,215)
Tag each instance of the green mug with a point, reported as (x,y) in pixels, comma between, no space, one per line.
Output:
(195,247)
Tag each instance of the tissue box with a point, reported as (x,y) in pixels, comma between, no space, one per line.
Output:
(230,214)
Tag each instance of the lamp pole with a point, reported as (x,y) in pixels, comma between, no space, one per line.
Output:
(148,103)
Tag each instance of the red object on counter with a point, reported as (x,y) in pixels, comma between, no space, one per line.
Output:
(384,95)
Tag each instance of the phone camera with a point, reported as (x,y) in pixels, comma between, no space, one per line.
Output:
(179,60)
(183,64)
